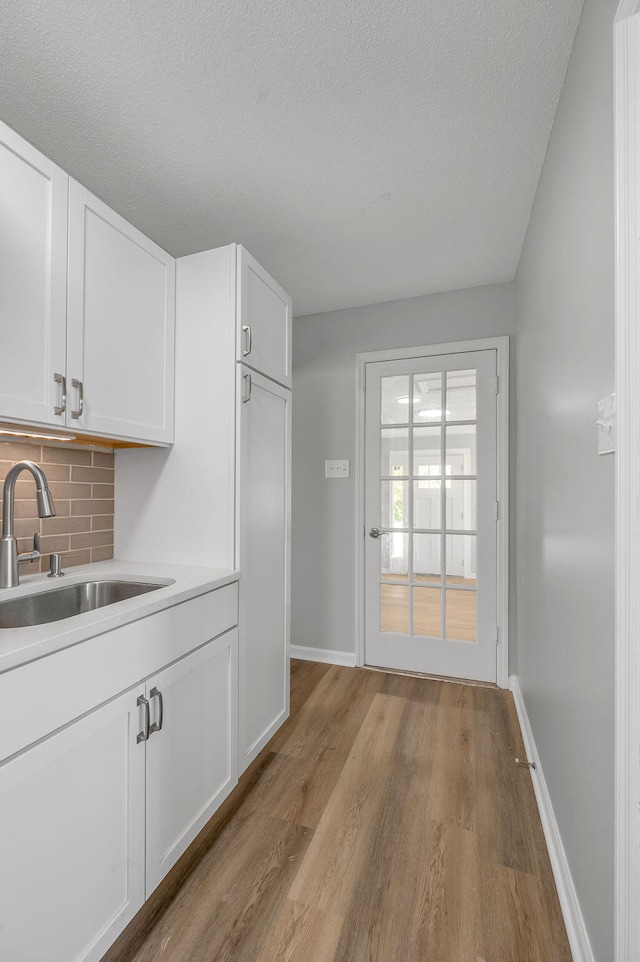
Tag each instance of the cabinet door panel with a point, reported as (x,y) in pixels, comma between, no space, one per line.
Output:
(264,562)
(72,808)
(120,324)
(33,257)
(265,310)
(192,760)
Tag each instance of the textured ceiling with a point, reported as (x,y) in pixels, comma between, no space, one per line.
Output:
(362,150)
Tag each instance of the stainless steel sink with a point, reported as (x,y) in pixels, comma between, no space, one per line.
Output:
(69,600)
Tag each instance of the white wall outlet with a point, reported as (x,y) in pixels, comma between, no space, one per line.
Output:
(607,425)
(336,469)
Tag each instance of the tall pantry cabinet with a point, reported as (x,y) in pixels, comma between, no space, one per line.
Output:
(221,497)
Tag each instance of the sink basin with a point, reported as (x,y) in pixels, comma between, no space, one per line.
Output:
(68,600)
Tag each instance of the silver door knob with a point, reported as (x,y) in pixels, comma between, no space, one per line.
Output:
(374,532)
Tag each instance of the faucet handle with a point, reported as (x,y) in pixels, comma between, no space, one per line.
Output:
(31,555)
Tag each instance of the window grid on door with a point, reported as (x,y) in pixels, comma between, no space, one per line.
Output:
(400,485)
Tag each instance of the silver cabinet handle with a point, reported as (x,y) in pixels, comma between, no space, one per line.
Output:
(78,386)
(154,693)
(246,395)
(375,533)
(61,379)
(246,330)
(144,734)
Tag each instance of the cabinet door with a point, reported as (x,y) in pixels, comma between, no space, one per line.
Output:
(72,817)
(120,325)
(33,298)
(192,756)
(264,539)
(264,321)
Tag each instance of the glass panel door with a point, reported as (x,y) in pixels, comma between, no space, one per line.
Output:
(430,509)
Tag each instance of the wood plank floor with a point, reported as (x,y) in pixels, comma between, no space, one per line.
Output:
(386,822)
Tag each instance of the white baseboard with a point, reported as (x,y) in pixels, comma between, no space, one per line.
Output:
(571,911)
(325,655)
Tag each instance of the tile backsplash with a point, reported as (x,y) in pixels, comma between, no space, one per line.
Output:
(82,486)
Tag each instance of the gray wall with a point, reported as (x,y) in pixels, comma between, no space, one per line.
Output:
(324,427)
(565,491)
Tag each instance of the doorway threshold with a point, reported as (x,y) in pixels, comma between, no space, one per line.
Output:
(446,678)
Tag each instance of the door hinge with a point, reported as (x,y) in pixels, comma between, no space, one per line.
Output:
(495,384)
(497,635)
(497,510)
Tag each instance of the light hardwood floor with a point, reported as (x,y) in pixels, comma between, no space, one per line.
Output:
(386,822)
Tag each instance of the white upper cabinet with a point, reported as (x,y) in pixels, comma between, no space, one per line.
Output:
(120,329)
(87,308)
(264,321)
(33,280)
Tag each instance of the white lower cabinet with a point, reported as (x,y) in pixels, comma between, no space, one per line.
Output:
(94,815)
(72,816)
(192,759)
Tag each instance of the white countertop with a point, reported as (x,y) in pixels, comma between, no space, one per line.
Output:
(21,645)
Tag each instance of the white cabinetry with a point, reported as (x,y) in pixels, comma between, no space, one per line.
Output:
(192,758)
(227,478)
(263,321)
(120,329)
(265,427)
(72,816)
(87,308)
(33,279)
(95,813)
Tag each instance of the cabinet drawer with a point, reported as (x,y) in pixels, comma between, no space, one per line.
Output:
(42,696)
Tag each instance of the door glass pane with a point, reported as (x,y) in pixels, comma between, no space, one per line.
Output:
(461,505)
(461,449)
(426,612)
(461,396)
(394,556)
(426,504)
(394,399)
(460,615)
(394,452)
(394,604)
(426,452)
(426,557)
(461,559)
(394,506)
(427,391)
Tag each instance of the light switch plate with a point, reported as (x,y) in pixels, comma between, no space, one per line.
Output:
(336,469)
(607,425)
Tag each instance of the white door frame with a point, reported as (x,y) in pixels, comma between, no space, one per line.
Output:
(627,668)
(501,346)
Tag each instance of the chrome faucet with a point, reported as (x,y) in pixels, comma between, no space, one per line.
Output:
(9,557)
